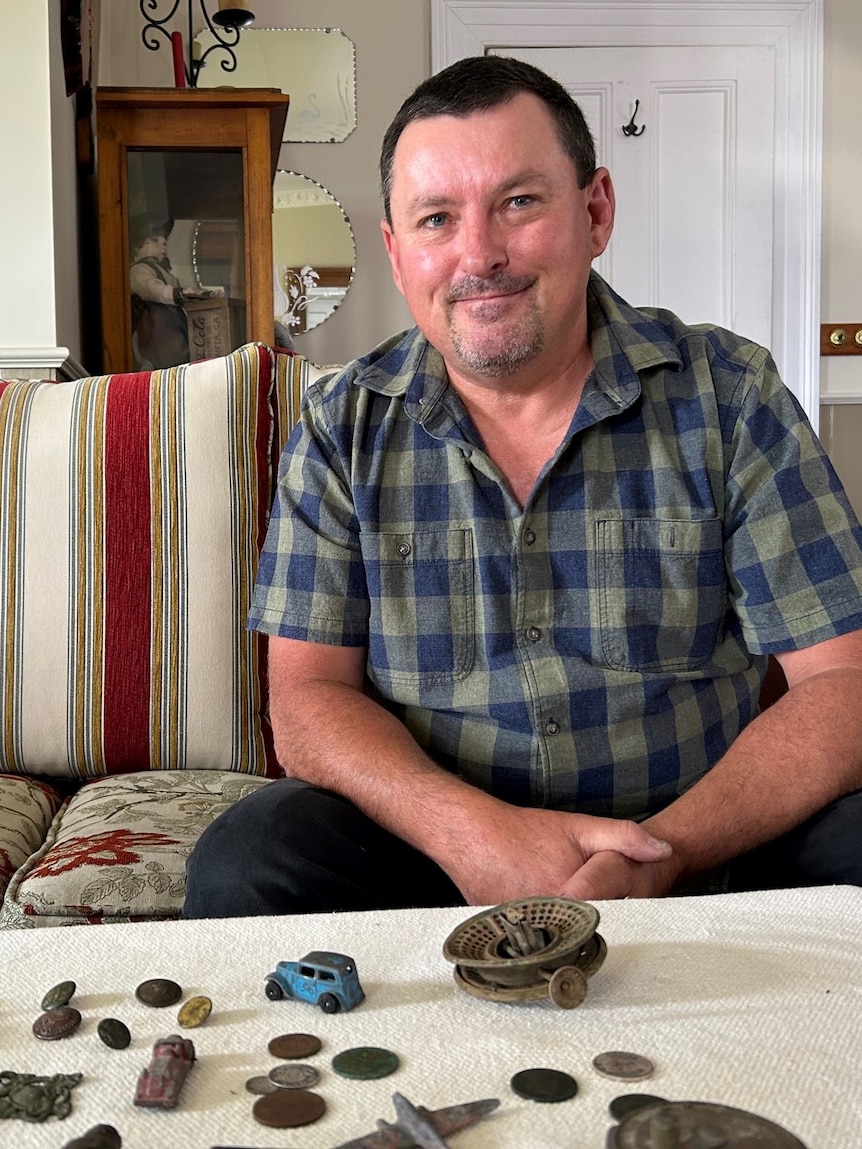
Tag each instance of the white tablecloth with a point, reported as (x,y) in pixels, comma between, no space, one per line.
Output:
(750,1000)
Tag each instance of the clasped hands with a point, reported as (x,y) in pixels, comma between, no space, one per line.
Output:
(518,852)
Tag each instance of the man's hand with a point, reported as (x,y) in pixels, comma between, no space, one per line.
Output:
(520,852)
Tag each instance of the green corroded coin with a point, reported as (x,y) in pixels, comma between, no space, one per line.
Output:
(99,1137)
(544,1085)
(365,1063)
(59,995)
(115,1034)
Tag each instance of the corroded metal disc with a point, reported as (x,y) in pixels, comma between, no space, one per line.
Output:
(700,1123)
(560,926)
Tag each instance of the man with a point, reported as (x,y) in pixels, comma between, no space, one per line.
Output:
(526,563)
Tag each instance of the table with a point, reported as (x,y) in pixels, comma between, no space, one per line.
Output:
(749,1000)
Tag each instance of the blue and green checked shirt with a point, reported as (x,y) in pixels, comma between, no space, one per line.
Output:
(600,649)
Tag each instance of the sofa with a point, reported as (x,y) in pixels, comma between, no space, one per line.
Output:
(133,699)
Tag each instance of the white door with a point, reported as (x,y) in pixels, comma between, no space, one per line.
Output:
(704,165)
(692,172)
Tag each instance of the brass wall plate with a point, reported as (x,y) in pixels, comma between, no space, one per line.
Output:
(841,338)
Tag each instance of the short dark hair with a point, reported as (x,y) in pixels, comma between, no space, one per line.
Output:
(478,84)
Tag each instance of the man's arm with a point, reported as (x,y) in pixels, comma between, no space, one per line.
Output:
(330,734)
(791,761)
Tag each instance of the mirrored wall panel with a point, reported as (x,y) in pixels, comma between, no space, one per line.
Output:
(316,67)
(313,254)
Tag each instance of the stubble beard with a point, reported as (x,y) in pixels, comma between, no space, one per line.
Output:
(500,347)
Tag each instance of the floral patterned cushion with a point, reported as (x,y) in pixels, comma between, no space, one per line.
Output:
(117,851)
(26,810)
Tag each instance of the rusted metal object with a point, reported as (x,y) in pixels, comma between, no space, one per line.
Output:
(527,950)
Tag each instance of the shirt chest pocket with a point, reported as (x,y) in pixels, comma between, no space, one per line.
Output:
(662,592)
(422,622)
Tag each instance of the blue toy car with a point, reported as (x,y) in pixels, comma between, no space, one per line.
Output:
(321,978)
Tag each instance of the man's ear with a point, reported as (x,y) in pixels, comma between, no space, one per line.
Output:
(601,206)
(391,244)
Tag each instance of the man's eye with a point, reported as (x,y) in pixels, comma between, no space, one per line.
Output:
(435,221)
(521,200)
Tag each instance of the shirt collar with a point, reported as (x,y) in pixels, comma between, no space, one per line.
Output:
(625,341)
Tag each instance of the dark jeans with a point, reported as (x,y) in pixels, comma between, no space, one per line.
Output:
(290,848)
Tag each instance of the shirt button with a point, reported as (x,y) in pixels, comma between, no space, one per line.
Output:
(552,727)
(403,549)
(534,634)
(529,537)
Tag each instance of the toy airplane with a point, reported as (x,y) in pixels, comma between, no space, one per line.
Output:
(418,1126)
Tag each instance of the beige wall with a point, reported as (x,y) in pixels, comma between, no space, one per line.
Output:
(841,287)
(393,54)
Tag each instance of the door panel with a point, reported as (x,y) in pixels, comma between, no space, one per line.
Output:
(695,189)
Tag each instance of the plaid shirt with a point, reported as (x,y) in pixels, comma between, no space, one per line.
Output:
(600,648)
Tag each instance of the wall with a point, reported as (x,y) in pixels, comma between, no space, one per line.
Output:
(39,309)
(841,285)
(385,76)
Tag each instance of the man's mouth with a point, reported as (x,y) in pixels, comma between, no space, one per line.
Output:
(473,290)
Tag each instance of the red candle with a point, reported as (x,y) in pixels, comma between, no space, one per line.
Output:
(179,65)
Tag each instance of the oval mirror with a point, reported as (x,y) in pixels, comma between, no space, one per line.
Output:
(313,254)
(315,66)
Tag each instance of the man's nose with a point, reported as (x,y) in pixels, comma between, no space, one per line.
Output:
(483,245)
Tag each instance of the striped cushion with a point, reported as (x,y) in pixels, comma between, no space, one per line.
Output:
(292,375)
(132,508)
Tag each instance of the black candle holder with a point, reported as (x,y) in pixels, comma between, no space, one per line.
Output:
(225,25)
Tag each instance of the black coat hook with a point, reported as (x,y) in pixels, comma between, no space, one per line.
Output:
(629,129)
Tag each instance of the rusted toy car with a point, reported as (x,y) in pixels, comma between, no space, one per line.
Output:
(160,1083)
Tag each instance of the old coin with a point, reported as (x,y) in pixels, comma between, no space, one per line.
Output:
(115,1034)
(56,1023)
(629,1066)
(260,1084)
(158,991)
(58,995)
(292,1046)
(99,1137)
(678,1123)
(194,1012)
(287,1108)
(365,1063)
(294,1076)
(628,1103)
(544,1085)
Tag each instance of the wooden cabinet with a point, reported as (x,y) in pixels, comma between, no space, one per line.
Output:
(185,221)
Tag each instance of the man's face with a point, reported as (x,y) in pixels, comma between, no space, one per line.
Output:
(492,239)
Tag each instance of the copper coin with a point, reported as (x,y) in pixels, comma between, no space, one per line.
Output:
(57,1023)
(115,1034)
(628,1103)
(629,1066)
(194,1012)
(544,1085)
(287,1108)
(292,1046)
(158,991)
(59,995)
(260,1084)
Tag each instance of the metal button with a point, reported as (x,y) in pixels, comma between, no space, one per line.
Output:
(533,633)
(404,549)
(115,1034)
(529,536)
(552,727)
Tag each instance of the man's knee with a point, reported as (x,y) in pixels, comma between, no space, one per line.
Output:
(234,863)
